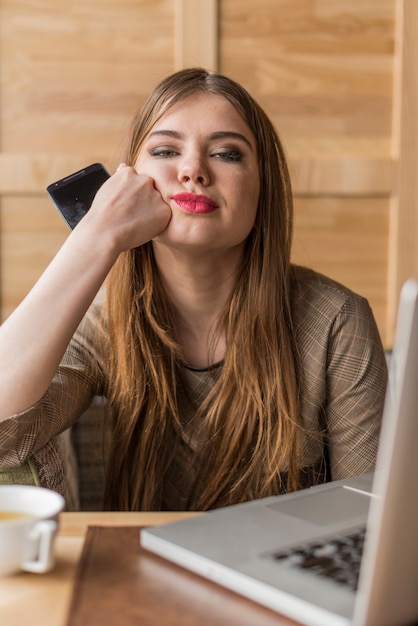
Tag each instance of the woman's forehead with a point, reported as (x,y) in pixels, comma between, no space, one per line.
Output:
(206,110)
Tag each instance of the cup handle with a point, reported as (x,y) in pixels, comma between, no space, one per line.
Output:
(42,535)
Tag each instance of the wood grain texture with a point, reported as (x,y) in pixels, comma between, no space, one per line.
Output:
(196,34)
(121,583)
(403,242)
(44,600)
(32,232)
(73,74)
(346,238)
(321,68)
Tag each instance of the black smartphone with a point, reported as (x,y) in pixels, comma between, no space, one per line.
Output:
(74,194)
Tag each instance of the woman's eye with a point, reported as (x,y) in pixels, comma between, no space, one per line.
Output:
(228,155)
(163,153)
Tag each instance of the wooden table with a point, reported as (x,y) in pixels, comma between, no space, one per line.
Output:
(43,599)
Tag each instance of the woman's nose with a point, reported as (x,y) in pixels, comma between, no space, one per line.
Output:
(195,170)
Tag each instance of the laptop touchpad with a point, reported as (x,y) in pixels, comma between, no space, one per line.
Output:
(325,507)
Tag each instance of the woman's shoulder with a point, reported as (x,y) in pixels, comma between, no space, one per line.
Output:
(311,289)
(317,301)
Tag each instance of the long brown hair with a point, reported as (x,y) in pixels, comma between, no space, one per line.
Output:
(250,418)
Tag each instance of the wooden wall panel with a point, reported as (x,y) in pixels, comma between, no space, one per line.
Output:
(72,74)
(31,233)
(403,256)
(346,238)
(323,71)
(321,68)
(196,38)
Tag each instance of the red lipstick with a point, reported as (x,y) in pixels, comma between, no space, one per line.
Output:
(195,203)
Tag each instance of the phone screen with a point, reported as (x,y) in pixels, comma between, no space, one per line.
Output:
(74,194)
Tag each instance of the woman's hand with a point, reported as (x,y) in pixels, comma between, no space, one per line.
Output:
(127,209)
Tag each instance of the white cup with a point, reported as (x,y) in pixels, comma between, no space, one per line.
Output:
(28,525)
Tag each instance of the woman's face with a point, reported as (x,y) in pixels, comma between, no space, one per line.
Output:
(203,159)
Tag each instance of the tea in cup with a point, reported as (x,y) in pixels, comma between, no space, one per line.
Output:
(28,525)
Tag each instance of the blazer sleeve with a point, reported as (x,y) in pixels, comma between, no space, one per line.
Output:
(342,375)
(79,378)
(356,379)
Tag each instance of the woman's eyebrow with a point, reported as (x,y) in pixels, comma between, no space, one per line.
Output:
(167,133)
(221,134)
(229,134)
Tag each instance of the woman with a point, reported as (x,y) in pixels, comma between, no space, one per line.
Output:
(229,373)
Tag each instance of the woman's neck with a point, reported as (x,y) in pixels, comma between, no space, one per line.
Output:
(199,290)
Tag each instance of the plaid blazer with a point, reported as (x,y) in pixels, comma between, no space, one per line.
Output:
(342,370)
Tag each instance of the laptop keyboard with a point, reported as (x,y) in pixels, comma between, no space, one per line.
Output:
(337,558)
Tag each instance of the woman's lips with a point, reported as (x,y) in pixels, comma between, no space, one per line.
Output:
(195,203)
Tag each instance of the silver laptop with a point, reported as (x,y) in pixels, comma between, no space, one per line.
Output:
(289,552)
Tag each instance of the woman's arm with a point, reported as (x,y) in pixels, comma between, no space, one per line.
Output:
(343,374)
(356,385)
(127,212)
